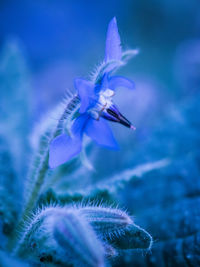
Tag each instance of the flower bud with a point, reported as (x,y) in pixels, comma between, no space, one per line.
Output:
(75,236)
(106,221)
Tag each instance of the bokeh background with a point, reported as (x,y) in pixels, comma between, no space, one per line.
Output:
(64,39)
(44,45)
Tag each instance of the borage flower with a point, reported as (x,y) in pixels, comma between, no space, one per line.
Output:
(96,104)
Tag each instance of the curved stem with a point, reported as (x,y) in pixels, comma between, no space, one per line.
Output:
(37,187)
(43,169)
(31,201)
(36,220)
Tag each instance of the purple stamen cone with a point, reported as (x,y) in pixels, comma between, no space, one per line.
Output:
(113,114)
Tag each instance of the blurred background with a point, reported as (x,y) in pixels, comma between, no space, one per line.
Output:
(44,45)
(64,39)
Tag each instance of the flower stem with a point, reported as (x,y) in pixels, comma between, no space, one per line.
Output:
(37,188)
(42,172)
(31,201)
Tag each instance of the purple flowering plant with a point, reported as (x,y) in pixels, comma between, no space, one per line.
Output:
(58,223)
(96,104)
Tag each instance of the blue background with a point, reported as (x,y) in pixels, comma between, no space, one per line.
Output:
(44,45)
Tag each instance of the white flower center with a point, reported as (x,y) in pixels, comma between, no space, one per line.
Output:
(104,102)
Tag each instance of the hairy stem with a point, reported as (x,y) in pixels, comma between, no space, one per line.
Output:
(70,109)
(37,188)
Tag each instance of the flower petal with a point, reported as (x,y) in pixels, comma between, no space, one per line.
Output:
(62,149)
(120,81)
(100,132)
(86,93)
(113,43)
(79,124)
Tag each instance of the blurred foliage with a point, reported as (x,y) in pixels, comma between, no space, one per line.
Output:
(170,208)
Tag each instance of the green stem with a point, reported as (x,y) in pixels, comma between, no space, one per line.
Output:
(72,106)
(37,187)
(31,201)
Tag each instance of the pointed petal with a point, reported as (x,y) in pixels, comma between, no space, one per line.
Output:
(100,132)
(79,124)
(86,93)
(62,149)
(120,81)
(113,43)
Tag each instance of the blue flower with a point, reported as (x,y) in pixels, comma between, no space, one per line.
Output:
(96,106)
